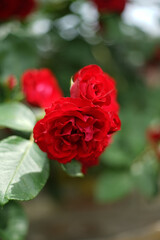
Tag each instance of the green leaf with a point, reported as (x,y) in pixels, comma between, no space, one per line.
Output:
(13,222)
(24,169)
(73,168)
(112,186)
(16,116)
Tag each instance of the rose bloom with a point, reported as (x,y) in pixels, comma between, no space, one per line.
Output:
(16,8)
(74,128)
(108,6)
(93,84)
(40,87)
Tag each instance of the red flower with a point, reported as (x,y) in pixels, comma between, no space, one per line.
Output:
(40,87)
(73,128)
(153,134)
(93,84)
(11,82)
(24,8)
(108,6)
(16,8)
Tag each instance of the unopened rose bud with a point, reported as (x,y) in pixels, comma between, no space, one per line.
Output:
(153,134)
(11,82)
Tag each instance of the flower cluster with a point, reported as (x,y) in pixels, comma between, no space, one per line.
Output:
(16,8)
(110,6)
(80,127)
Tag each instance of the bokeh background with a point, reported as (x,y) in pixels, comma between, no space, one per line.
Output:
(122,193)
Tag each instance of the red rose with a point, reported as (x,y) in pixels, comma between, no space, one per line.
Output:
(6,9)
(40,87)
(108,6)
(16,8)
(93,84)
(24,8)
(73,128)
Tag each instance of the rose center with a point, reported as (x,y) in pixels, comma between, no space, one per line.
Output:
(97,88)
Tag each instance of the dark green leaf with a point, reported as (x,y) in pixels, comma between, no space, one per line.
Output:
(112,186)
(24,169)
(73,168)
(13,222)
(18,53)
(145,174)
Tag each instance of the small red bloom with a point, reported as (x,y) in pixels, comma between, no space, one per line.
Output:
(11,82)
(24,8)
(153,134)
(109,6)
(16,8)
(73,128)
(40,87)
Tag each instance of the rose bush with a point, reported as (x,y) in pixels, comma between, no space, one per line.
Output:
(108,6)
(40,87)
(73,128)
(16,8)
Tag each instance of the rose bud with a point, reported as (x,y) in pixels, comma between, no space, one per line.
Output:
(110,6)
(40,87)
(73,128)
(11,82)
(153,134)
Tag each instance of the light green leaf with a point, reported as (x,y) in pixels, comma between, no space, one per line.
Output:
(24,169)
(13,222)
(16,116)
(73,168)
(112,186)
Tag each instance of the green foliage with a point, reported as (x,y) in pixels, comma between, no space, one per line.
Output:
(145,173)
(13,222)
(73,168)
(17,53)
(16,116)
(113,185)
(24,169)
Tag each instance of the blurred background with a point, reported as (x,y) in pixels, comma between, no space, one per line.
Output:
(119,199)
